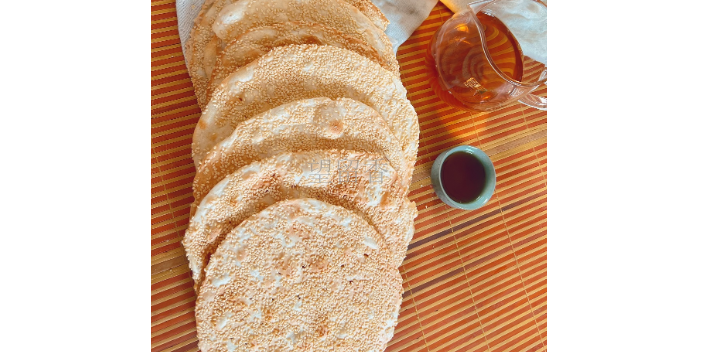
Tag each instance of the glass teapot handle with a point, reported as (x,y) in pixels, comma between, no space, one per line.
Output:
(535,101)
(531,100)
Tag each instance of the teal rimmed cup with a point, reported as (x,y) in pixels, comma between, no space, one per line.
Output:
(489,181)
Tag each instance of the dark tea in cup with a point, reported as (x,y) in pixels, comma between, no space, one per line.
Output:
(463,177)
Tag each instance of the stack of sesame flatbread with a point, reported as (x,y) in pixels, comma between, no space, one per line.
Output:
(304,154)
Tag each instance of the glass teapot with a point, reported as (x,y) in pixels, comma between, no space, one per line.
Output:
(476,63)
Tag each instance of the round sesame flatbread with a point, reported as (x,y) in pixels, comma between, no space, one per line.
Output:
(226,20)
(235,18)
(260,40)
(301,275)
(202,15)
(202,31)
(362,182)
(296,72)
(310,124)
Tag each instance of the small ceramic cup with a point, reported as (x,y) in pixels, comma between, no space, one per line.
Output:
(489,183)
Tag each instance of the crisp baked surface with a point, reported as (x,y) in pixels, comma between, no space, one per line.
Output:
(225,20)
(296,72)
(188,45)
(234,20)
(310,124)
(260,40)
(372,12)
(201,34)
(362,182)
(301,275)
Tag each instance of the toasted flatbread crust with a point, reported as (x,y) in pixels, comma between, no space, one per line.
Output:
(188,45)
(301,275)
(376,196)
(310,124)
(260,40)
(194,48)
(225,20)
(296,72)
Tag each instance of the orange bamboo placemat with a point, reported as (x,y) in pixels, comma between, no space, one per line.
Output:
(474,280)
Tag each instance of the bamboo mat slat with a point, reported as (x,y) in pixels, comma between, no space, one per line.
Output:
(473,280)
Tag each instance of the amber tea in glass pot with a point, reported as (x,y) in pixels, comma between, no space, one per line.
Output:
(475,63)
